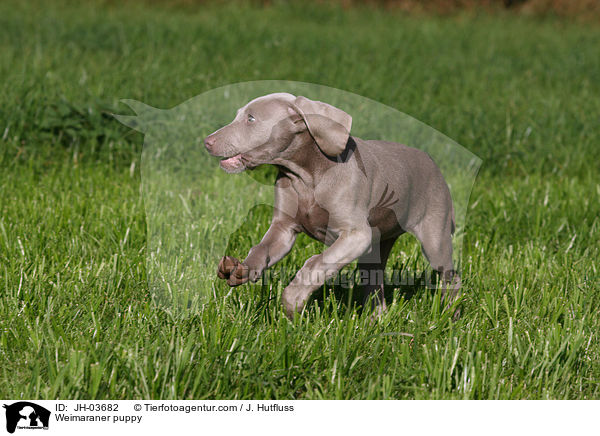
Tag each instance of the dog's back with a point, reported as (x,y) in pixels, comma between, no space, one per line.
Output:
(404,180)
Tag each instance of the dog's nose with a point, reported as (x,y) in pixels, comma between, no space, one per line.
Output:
(209,142)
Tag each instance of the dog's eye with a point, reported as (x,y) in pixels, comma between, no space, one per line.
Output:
(251,119)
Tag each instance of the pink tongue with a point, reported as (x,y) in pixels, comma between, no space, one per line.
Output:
(232,162)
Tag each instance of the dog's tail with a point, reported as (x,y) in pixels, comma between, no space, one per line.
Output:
(453,222)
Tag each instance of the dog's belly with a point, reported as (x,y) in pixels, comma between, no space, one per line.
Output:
(314,221)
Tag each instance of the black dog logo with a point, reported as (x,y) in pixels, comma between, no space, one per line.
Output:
(29,412)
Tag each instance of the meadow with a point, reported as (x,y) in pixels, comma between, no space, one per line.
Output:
(77,319)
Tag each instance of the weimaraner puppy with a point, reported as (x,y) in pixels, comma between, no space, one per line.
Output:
(356,196)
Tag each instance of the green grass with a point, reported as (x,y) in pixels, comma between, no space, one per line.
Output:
(76,315)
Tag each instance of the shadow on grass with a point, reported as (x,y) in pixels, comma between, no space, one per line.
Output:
(350,298)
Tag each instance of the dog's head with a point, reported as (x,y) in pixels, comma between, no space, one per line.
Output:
(263,130)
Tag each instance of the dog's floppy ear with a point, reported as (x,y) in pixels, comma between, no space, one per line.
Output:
(328,125)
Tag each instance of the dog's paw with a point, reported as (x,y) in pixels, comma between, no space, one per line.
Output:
(226,265)
(235,272)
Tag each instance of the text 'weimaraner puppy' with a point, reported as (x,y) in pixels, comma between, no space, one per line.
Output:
(355,196)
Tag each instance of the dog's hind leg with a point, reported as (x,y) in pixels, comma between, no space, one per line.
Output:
(435,235)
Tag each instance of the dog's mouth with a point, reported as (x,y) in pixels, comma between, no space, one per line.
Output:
(234,164)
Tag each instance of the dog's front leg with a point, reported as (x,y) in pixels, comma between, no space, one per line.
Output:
(276,243)
(348,246)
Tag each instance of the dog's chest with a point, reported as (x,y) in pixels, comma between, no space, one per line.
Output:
(313,218)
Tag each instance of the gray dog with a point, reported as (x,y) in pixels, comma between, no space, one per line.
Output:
(355,196)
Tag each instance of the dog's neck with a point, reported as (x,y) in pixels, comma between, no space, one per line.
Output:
(305,160)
